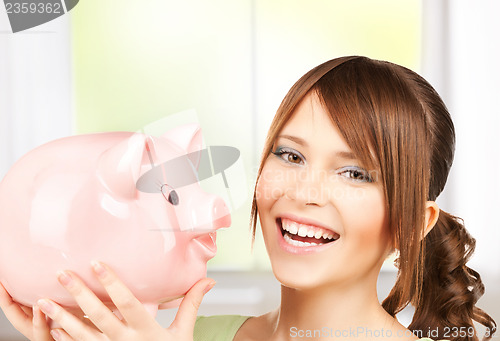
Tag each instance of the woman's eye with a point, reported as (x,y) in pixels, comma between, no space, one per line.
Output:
(356,174)
(288,155)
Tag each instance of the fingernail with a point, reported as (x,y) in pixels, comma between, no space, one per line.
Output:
(208,287)
(64,278)
(46,306)
(55,334)
(99,269)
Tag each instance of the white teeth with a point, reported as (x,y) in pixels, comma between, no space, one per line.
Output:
(305,230)
(297,242)
(318,235)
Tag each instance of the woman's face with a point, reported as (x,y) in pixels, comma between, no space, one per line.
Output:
(322,214)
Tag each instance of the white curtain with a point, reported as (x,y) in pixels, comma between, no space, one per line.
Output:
(35,87)
(461,59)
(35,96)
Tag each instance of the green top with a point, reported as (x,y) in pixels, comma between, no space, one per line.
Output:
(223,327)
(217,328)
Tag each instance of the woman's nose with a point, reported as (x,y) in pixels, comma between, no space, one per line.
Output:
(310,188)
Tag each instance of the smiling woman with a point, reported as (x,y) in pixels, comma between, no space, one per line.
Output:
(358,151)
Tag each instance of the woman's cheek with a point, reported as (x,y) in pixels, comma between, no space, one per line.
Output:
(262,189)
(371,226)
(270,187)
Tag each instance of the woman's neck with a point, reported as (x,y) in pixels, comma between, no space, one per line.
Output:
(342,311)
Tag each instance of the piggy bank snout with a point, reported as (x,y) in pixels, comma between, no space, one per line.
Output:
(220,213)
(213,215)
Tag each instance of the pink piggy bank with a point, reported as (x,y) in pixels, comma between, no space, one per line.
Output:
(76,199)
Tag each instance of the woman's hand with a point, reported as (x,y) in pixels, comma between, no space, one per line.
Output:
(30,322)
(137,323)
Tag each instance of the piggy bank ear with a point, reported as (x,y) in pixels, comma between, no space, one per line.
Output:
(119,166)
(189,138)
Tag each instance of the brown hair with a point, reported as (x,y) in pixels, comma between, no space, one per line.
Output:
(395,122)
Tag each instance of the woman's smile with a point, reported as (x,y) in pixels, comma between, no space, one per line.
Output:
(301,235)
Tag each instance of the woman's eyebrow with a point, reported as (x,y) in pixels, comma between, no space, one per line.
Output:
(347,155)
(295,139)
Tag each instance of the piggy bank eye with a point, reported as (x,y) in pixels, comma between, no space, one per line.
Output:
(170,194)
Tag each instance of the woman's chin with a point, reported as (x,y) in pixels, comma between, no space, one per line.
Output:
(292,277)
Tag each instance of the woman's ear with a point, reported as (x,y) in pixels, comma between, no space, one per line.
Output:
(431,216)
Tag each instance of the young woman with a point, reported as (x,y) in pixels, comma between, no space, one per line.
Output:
(354,160)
